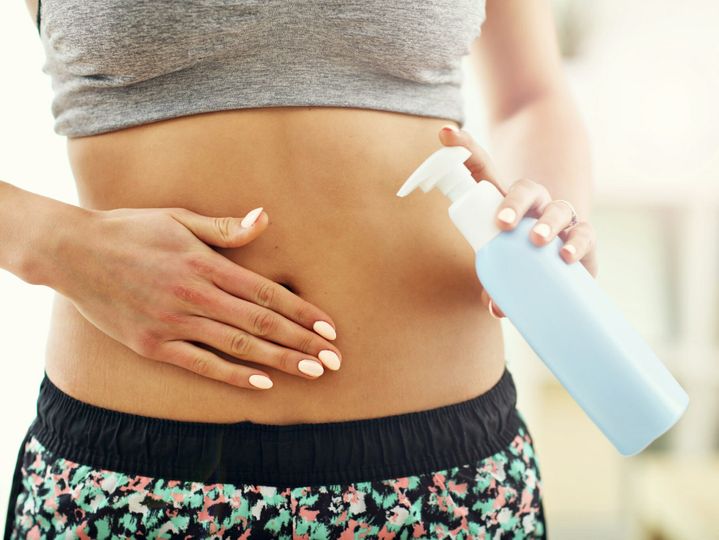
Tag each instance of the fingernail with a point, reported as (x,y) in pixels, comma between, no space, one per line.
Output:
(260,381)
(507,215)
(450,127)
(330,359)
(310,367)
(325,329)
(542,230)
(250,218)
(569,248)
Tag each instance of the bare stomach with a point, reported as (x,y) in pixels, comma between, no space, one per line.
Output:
(393,273)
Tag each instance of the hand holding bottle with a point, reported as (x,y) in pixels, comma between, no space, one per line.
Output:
(565,317)
(526,197)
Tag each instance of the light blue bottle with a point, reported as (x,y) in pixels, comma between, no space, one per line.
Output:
(560,310)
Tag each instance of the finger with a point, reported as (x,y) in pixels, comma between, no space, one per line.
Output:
(204,363)
(271,326)
(218,305)
(223,231)
(260,322)
(480,164)
(244,346)
(523,197)
(250,286)
(555,216)
(580,244)
(485,300)
(497,312)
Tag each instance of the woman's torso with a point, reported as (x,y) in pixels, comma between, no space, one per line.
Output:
(395,276)
(393,273)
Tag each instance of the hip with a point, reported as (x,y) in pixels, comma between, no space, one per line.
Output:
(464,470)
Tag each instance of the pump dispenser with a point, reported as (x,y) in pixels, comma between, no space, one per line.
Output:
(559,309)
(474,202)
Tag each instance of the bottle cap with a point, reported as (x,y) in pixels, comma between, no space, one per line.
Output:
(474,204)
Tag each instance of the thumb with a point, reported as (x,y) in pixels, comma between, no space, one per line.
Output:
(224,231)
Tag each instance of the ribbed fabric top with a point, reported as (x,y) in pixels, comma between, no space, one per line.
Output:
(119,63)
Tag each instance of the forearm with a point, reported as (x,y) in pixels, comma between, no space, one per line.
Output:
(546,141)
(33,229)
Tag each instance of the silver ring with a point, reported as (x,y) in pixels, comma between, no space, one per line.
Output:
(491,311)
(573,221)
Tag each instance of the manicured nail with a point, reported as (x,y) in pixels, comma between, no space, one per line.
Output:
(250,218)
(569,248)
(507,215)
(542,230)
(325,329)
(311,368)
(492,312)
(330,359)
(260,381)
(450,127)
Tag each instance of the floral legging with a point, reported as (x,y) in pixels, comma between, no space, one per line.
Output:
(497,497)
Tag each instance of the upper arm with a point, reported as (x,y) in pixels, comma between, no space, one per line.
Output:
(516,57)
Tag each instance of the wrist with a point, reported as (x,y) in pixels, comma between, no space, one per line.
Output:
(59,227)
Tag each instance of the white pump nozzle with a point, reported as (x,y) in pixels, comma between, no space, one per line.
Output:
(473,203)
(444,170)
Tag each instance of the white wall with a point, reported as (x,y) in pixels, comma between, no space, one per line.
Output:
(32,157)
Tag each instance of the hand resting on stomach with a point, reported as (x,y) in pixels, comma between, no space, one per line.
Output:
(393,275)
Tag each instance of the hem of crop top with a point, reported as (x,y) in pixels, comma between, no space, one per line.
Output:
(214,88)
(139,120)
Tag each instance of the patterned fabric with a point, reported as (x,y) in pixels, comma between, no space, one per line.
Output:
(497,497)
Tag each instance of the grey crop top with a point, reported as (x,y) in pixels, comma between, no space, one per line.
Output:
(120,63)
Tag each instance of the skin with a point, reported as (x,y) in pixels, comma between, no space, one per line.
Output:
(528,198)
(165,308)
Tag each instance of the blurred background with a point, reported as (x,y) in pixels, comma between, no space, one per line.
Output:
(646,77)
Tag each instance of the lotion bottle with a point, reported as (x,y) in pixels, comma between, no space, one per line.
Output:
(559,309)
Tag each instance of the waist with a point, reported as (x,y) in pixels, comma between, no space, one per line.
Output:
(394,274)
(286,456)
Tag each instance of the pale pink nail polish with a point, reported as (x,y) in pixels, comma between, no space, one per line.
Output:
(542,230)
(250,218)
(325,329)
(310,367)
(330,359)
(260,381)
(507,215)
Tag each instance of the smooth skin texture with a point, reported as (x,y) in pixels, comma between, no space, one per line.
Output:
(164,309)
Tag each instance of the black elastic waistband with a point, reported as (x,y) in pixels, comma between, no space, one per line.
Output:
(278,455)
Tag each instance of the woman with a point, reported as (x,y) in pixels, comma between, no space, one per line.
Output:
(329,365)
